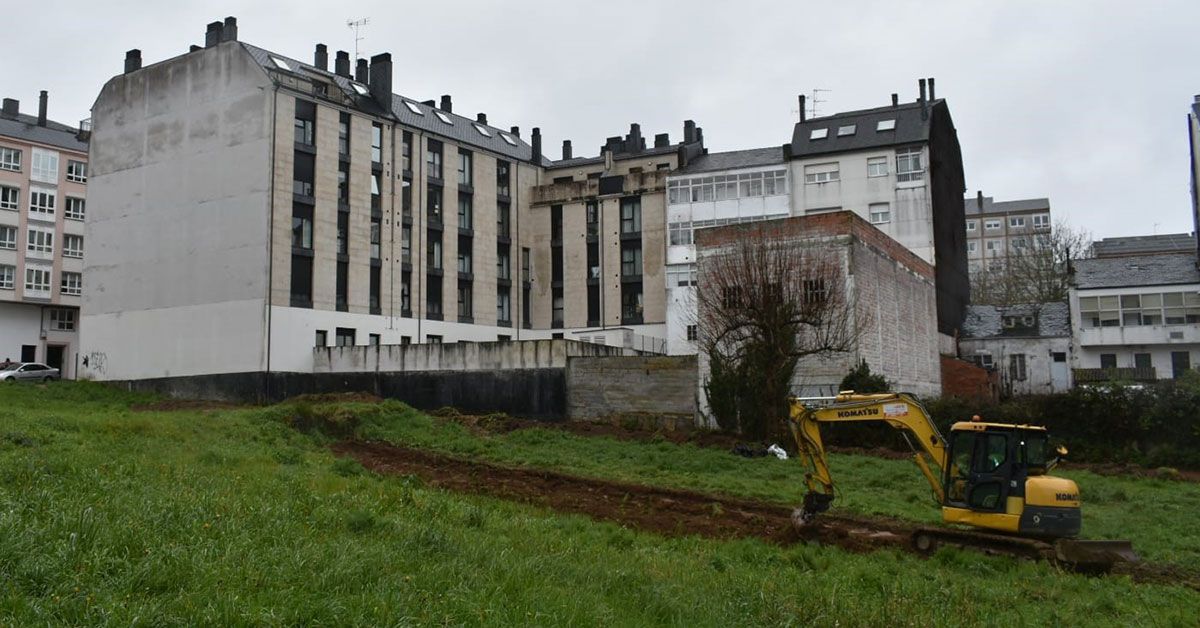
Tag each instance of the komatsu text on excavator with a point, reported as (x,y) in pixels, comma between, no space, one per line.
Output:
(990,476)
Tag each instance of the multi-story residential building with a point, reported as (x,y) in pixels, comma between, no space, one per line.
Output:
(1135,317)
(289,206)
(1028,344)
(43,185)
(1144,245)
(998,229)
(900,168)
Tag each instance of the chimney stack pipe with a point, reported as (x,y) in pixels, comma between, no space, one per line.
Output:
(689,131)
(921,83)
(447,106)
(567,149)
(212,35)
(11,107)
(979,200)
(516,131)
(229,32)
(43,100)
(481,118)
(321,57)
(931,96)
(133,60)
(341,64)
(895,99)
(662,140)
(380,76)
(536,142)
(803,113)
(924,103)
(362,71)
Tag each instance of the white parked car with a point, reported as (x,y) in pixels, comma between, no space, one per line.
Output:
(28,371)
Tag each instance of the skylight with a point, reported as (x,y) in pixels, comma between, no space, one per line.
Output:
(847,130)
(281,64)
(362,91)
(483,130)
(818,134)
(886,125)
(412,106)
(508,139)
(441,116)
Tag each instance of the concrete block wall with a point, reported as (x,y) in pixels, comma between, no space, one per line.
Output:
(460,356)
(657,389)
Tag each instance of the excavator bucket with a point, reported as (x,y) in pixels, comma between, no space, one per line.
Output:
(1098,555)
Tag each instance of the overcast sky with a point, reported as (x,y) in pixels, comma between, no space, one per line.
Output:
(1083,102)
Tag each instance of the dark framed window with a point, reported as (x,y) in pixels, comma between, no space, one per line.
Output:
(344,336)
(343,233)
(406,151)
(465,213)
(502,178)
(503,305)
(373,340)
(503,262)
(306,122)
(374,303)
(302,174)
(302,226)
(344,134)
(557,308)
(322,338)
(465,299)
(433,297)
(433,208)
(593,218)
(342,291)
(631,214)
(465,258)
(503,219)
(433,159)
(301,286)
(556,222)
(631,260)
(344,182)
(377,143)
(465,167)
(433,250)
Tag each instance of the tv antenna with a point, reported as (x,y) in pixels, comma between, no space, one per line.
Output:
(357,26)
(816,100)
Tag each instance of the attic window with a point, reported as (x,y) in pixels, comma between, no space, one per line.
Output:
(441,116)
(846,130)
(362,91)
(281,64)
(508,139)
(818,134)
(483,130)
(412,106)
(886,125)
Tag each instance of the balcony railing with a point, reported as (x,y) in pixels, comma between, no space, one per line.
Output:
(1096,375)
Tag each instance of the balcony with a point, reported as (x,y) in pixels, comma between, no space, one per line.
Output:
(1102,375)
(634,183)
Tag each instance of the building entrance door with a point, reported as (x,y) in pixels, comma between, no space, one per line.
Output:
(1060,375)
(54,357)
(1181,361)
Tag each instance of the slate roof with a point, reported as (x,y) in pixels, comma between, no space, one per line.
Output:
(732,160)
(971,205)
(1144,245)
(1164,269)
(462,130)
(987,321)
(25,127)
(910,129)
(587,161)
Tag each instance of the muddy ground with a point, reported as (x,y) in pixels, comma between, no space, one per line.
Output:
(668,512)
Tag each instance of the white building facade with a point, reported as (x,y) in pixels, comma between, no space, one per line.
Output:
(1029,345)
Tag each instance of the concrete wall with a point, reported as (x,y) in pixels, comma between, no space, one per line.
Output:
(177,219)
(463,356)
(20,324)
(1041,376)
(659,388)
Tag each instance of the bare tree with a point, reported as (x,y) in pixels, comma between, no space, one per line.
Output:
(1036,273)
(764,303)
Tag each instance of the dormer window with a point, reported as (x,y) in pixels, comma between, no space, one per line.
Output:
(362,91)
(818,134)
(886,125)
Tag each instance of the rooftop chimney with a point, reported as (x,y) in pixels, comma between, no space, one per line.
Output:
(536,140)
(194,48)
(566,149)
(700,136)
(321,57)
(229,33)
(635,144)
(341,63)
(689,131)
(924,103)
(447,106)
(979,200)
(11,108)
(516,131)
(895,99)
(429,103)
(43,98)
(362,71)
(931,96)
(662,140)
(381,79)
(133,60)
(803,113)
(481,118)
(212,36)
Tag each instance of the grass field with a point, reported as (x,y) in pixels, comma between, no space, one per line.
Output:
(115,517)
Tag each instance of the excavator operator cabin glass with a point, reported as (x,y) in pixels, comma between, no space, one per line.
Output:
(1032,451)
(994,448)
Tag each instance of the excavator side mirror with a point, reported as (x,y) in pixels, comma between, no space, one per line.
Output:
(1062,453)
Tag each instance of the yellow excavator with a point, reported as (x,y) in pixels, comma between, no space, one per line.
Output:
(992,478)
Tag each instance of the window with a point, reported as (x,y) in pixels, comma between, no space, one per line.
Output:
(344,337)
(908,165)
(814,291)
(679,233)
(377,144)
(376,236)
(464,300)
(37,280)
(846,130)
(1016,367)
(972,246)
(433,251)
(7,276)
(376,198)
(303,171)
(818,134)
(406,244)
(45,166)
(281,64)
(433,339)
(406,198)
(10,197)
(433,158)
(406,294)
(62,319)
(412,106)
(885,125)
(302,226)
(556,223)
(821,173)
(443,117)
(1016,222)
(991,225)
(503,262)
(466,263)
(508,139)
(502,178)
(994,245)
(465,220)
(322,338)
(692,334)
(359,89)
(10,159)
(41,203)
(433,209)
(306,123)
(72,245)
(1018,243)
(75,208)
(877,167)
(343,184)
(76,171)
(1142,361)
(8,237)
(483,130)
(301,285)
(880,213)
(526,267)
(1041,221)
(631,260)
(344,134)
(503,305)
(502,219)
(40,241)
(631,214)
(1108,360)
(464,167)
(406,151)
(681,276)
(631,304)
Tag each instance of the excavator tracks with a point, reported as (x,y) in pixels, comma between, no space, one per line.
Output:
(1079,555)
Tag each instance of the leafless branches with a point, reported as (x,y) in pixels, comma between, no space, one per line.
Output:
(1036,273)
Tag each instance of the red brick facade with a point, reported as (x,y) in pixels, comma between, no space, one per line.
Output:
(965,380)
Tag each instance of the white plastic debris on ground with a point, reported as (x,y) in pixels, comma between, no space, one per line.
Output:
(778,451)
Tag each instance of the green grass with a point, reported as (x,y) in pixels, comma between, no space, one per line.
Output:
(112,517)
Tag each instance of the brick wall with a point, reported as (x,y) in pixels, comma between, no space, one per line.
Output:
(967,381)
(650,391)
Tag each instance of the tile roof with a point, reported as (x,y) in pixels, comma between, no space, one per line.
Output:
(987,321)
(971,205)
(25,127)
(1163,269)
(732,160)
(461,130)
(1143,245)
(909,129)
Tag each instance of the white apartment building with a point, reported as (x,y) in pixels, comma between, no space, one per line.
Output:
(43,185)
(997,229)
